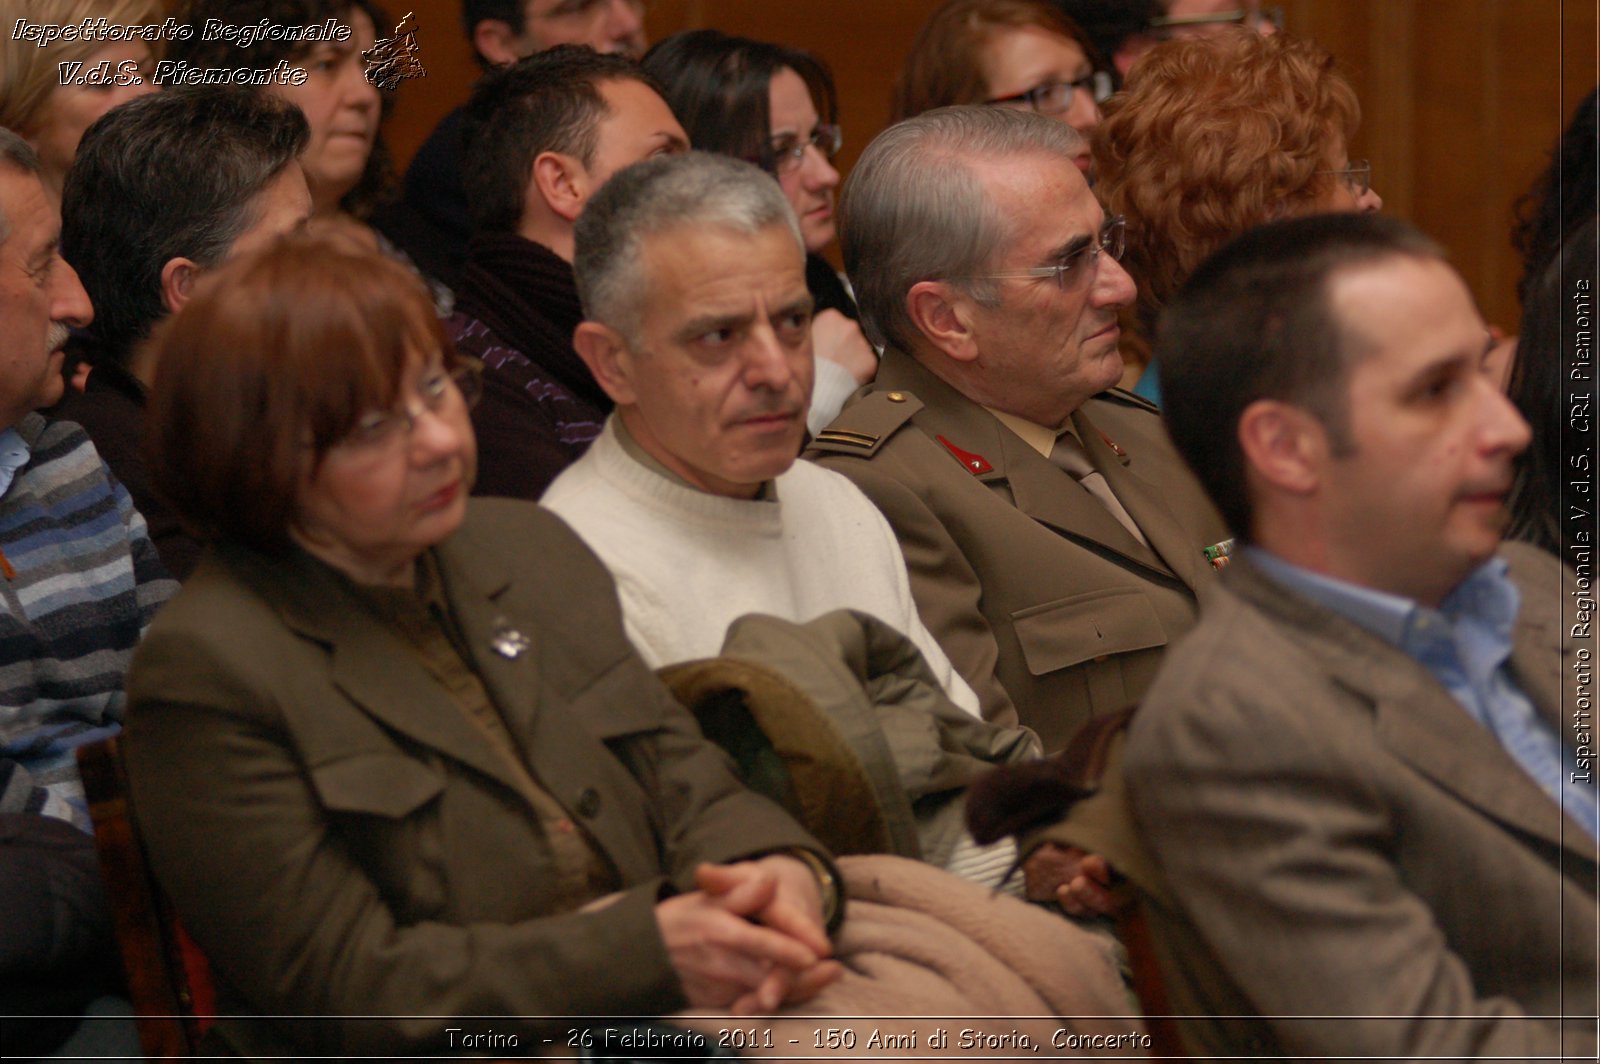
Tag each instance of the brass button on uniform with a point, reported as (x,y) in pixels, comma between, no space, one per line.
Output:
(897,397)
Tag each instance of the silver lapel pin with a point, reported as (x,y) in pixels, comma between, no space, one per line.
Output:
(508,642)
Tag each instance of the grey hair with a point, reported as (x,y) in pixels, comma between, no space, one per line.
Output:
(914,210)
(692,190)
(19,155)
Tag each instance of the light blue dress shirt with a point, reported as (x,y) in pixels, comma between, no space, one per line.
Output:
(1465,644)
(14,454)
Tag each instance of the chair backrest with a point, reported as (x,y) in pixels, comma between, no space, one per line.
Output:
(169,980)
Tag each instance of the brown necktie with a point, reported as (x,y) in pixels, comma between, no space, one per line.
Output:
(1068,453)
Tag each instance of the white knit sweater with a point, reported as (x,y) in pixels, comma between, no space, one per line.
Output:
(688,563)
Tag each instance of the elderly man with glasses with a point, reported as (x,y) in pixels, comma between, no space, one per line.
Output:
(1054,539)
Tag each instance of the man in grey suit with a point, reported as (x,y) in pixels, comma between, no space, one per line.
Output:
(1375,821)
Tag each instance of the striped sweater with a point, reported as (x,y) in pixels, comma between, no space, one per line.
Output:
(79,583)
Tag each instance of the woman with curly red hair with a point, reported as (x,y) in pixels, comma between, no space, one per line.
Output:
(1215,135)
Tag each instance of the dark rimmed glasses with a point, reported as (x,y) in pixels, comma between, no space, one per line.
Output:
(1055,97)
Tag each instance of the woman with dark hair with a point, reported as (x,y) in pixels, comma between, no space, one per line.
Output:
(1563,198)
(389,743)
(1558,300)
(1012,53)
(776,107)
(346,163)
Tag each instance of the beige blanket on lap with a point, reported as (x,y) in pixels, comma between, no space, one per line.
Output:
(936,966)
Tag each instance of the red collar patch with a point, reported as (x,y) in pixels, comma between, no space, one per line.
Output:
(976,464)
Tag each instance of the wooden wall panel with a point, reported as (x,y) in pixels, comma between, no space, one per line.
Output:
(451,66)
(1462,99)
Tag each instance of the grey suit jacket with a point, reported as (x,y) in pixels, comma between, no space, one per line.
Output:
(341,840)
(1341,842)
(1017,570)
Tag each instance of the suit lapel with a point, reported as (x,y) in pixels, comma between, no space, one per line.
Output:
(1424,726)
(1037,486)
(506,656)
(565,758)
(1417,719)
(1537,670)
(376,668)
(1050,495)
(1143,502)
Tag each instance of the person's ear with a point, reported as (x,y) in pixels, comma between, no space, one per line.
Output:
(942,313)
(494,41)
(178,278)
(561,182)
(609,359)
(1284,445)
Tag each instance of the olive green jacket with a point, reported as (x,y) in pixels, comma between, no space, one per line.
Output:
(1021,574)
(340,839)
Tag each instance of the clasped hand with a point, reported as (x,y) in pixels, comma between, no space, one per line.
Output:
(1083,884)
(751,938)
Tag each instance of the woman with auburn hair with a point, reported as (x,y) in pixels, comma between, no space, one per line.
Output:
(49,108)
(1214,135)
(1014,53)
(388,743)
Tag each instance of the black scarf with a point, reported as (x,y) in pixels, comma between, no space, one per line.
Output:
(526,293)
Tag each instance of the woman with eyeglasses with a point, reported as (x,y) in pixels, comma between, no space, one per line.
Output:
(777,107)
(1011,53)
(1214,135)
(390,746)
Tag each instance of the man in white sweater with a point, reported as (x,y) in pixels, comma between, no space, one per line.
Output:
(692,274)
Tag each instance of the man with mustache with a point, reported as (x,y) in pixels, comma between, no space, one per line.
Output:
(692,274)
(1363,747)
(80,581)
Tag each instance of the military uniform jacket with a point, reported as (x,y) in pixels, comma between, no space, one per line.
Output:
(341,840)
(1021,574)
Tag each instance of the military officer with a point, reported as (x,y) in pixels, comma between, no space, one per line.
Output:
(1056,542)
